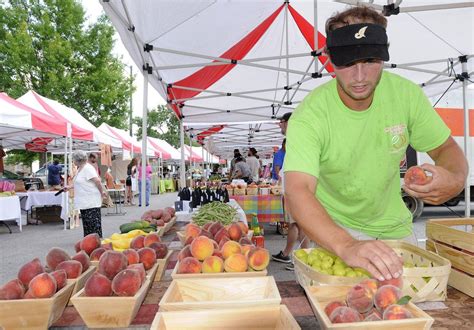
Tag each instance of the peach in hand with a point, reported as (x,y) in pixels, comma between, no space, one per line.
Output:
(416,175)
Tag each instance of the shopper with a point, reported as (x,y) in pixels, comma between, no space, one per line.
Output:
(93,161)
(346,140)
(241,170)
(148,172)
(88,194)
(131,171)
(254,164)
(54,175)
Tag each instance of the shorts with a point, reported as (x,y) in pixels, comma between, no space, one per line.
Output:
(288,218)
(361,236)
(128,181)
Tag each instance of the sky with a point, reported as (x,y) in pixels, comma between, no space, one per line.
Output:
(93,10)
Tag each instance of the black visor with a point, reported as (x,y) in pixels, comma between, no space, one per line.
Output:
(356,42)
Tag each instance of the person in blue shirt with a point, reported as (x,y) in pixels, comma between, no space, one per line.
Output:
(54,175)
(278,159)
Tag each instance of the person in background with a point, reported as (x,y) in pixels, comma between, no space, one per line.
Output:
(109,179)
(88,194)
(93,162)
(54,175)
(242,170)
(131,171)
(254,164)
(345,143)
(232,162)
(148,172)
(278,159)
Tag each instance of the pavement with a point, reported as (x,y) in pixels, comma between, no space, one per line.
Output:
(35,241)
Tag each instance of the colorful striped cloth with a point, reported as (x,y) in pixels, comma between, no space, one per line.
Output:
(268,208)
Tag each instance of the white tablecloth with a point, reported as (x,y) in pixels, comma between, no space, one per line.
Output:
(187,217)
(10,209)
(42,198)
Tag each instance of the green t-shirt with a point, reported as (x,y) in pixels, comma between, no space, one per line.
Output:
(355,155)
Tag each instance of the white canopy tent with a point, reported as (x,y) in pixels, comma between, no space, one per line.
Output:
(226,62)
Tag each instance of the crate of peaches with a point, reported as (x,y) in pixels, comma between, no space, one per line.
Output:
(370,304)
(216,251)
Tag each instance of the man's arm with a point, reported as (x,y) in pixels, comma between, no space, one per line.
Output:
(449,174)
(374,256)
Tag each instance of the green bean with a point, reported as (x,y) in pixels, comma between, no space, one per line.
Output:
(215,212)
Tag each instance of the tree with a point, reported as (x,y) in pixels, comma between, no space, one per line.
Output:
(48,47)
(162,124)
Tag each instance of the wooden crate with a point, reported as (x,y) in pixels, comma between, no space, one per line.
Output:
(156,272)
(81,281)
(34,313)
(320,296)
(276,190)
(239,191)
(175,275)
(109,312)
(169,225)
(453,239)
(213,293)
(261,317)
(252,191)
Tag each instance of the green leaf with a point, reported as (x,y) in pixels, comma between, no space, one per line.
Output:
(403,300)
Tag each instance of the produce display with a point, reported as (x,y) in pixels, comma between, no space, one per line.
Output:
(370,300)
(215,212)
(215,248)
(327,263)
(137,225)
(121,242)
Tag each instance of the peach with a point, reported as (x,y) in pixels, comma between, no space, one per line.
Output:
(245,241)
(243,227)
(77,246)
(386,295)
(107,246)
(218,253)
(161,250)
(235,232)
(188,240)
(360,298)
(140,269)
(246,249)
(28,295)
(147,257)
(207,226)
(223,241)
(236,263)
(229,248)
(150,239)
(60,276)
(332,306)
(202,247)
(215,228)
(212,264)
(221,234)
(126,283)
(206,233)
(97,253)
(184,253)
(84,259)
(396,312)
(137,243)
(216,246)
(73,268)
(398,282)
(111,263)
(90,242)
(416,175)
(30,270)
(55,256)
(345,314)
(189,265)
(258,258)
(371,284)
(98,285)
(192,230)
(132,256)
(44,285)
(12,290)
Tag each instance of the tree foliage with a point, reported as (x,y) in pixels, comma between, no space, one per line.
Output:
(49,47)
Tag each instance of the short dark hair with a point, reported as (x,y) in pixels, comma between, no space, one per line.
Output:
(239,159)
(56,162)
(92,155)
(359,14)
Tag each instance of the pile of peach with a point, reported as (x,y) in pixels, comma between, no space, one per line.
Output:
(214,249)
(370,300)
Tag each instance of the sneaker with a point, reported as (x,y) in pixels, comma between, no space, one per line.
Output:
(280,257)
(290,267)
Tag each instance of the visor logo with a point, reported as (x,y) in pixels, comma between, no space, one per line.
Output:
(361,33)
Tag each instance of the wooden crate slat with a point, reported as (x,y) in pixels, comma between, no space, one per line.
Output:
(462,282)
(459,259)
(440,230)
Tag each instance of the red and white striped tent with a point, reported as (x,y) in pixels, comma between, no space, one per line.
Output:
(22,127)
(127,142)
(247,62)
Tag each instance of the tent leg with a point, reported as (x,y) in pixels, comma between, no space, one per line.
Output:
(182,166)
(144,138)
(467,141)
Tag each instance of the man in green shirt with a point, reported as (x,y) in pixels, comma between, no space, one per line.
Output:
(345,143)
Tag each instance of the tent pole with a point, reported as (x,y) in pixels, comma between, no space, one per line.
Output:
(467,139)
(144,137)
(203,164)
(66,195)
(315,48)
(182,166)
(287,51)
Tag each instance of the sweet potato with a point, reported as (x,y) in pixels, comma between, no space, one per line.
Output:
(170,210)
(156,214)
(166,217)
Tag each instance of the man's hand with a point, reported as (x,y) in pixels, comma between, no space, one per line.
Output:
(443,186)
(375,256)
